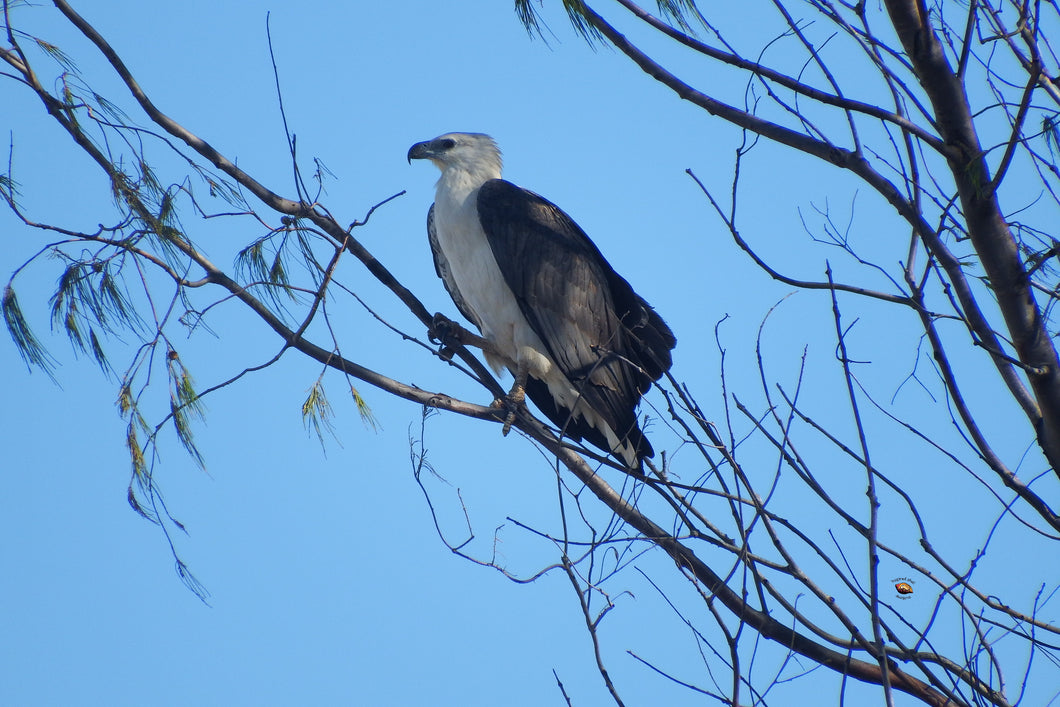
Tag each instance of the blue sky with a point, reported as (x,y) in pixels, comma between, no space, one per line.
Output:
(328,583)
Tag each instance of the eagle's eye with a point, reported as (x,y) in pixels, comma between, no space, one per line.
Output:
(447,143)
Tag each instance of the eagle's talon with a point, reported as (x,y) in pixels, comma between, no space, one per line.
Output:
(511,407)
(443,331)
(509,419)
(513,401)
(447,334)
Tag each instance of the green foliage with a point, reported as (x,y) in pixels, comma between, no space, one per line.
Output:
(681,13)
(129,410)
(28,345)
(184,404)
(367,416)
(8,189)
(154,215)
(1051,131)
(70,102)
(318,414)
(220,188)
(147,251)
(263,262)
(268,261)
(61,57)
(87,297)
(576,13)
(527,14)
(111,110)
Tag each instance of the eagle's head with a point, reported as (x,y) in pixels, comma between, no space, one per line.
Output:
(475,153)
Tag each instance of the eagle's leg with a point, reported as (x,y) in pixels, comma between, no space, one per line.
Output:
(516,396)
(451,335)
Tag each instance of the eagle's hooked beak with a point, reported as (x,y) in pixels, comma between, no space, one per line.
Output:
(421,151)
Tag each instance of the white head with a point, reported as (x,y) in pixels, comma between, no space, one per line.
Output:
(476,154)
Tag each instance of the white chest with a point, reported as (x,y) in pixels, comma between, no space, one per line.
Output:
(475,271)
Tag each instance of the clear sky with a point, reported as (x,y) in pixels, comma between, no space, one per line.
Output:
(328,583)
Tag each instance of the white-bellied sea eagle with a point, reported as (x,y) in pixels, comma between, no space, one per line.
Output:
(580,342)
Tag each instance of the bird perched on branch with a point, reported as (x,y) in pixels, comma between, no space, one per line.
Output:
(582,345)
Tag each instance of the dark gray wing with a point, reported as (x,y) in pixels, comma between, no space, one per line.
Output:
(608,341)
(441,266)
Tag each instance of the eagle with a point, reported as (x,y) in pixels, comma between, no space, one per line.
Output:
(582,345)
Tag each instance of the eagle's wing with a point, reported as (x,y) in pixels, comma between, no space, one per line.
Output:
(604,338)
